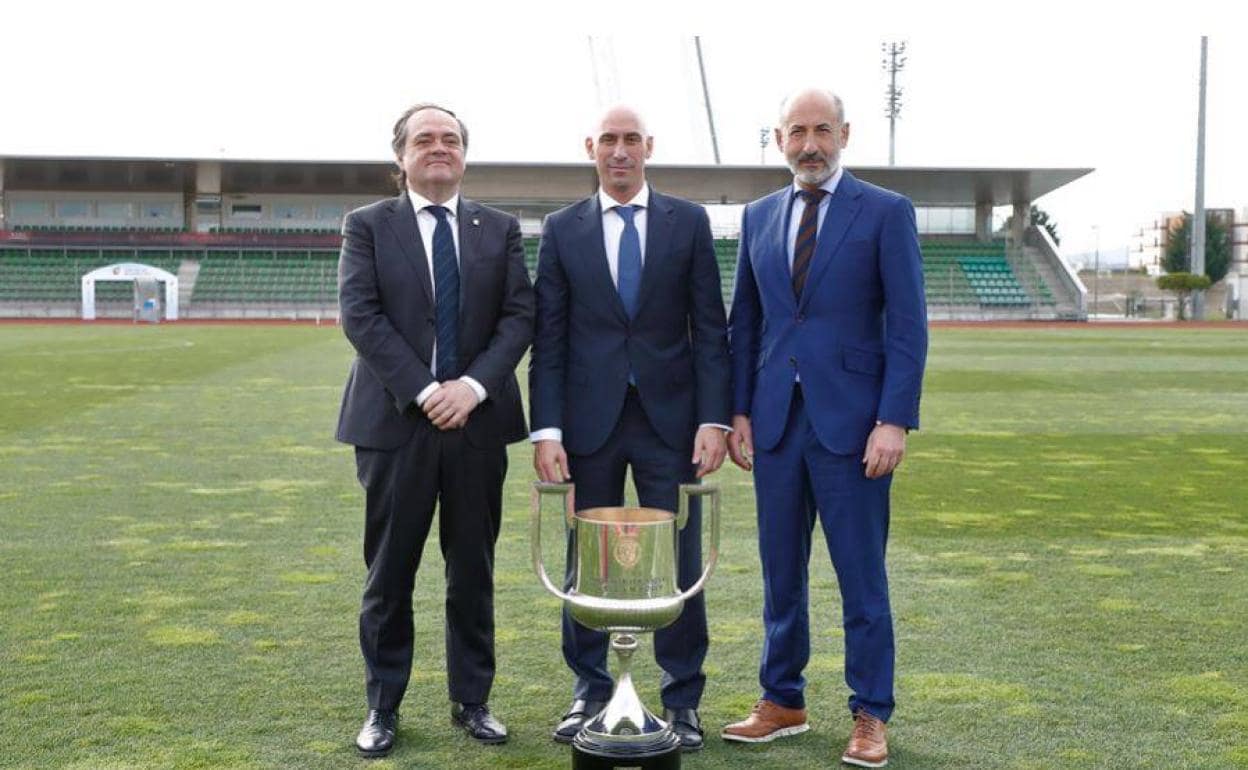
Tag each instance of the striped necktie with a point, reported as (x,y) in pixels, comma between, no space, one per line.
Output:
(804,246)
(446,297)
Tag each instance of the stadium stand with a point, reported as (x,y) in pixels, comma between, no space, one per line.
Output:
(255,239)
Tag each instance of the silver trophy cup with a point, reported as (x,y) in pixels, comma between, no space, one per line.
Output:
(624,563)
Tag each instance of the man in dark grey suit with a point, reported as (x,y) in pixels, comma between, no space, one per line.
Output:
(436,301)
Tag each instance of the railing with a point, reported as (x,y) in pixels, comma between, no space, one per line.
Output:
(1039,238)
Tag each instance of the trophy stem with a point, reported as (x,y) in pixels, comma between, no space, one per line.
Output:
(624,644)
(625,733)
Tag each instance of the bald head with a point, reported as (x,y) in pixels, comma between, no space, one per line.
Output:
(817,97)
(811,133)
(619,147)
(616,114)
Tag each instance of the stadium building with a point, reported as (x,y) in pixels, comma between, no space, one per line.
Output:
(259,238)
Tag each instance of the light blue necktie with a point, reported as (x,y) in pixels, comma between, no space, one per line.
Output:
(629,261)
(446,297)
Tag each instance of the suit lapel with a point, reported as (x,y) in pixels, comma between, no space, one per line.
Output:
(469,217)
(778,233)
(842,209)
(402,219)
(660,222)
(591,251)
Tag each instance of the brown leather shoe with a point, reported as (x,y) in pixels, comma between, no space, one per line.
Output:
(767,722)
(868,745)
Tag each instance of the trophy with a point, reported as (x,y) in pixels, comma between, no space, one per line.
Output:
(624,563)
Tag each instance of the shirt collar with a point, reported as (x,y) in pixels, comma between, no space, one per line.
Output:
(830,185)
(420,202)
(642,198)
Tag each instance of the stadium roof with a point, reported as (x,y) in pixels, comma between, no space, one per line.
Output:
(537,185)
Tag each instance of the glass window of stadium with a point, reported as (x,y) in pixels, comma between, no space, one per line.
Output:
(28,209)
(113,210)
(332,212)
(73,209)
(245,210)
(158,211)
(945,220)
(289,211)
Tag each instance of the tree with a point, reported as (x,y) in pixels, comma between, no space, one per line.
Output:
(1178,256)
(1183,284)
(1040,218)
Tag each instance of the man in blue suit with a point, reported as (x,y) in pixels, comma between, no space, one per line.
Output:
(630,370)
(828,337)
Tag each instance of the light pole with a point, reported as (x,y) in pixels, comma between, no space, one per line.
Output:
(894,61)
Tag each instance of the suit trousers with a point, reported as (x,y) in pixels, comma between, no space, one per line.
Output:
(795,483)
(658,470)
(402,487)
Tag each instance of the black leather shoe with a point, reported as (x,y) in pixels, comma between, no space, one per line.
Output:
(687,726)
(376,737)
(578,714)
(478,722)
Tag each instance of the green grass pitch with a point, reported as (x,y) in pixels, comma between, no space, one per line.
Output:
(180,564)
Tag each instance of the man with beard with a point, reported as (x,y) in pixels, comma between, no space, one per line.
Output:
(828,337)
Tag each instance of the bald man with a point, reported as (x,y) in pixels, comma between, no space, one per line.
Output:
(829,339)
(629,370)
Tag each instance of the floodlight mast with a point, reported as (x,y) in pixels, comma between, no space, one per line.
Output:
(894,61)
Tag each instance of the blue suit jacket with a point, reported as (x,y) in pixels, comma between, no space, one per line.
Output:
(585,344)
(858,334)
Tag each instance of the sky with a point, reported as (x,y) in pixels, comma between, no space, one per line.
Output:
(987,84)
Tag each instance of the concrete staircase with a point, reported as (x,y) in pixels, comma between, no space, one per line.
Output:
(188,271)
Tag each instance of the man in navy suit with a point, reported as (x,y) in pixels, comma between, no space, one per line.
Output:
(630,370)
(829,337)
(436,301)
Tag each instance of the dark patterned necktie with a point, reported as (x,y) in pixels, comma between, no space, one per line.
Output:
(804,246)
(446,295)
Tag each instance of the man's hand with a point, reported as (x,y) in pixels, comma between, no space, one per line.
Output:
(885,447)
(448,407)
(709,448)
(550,461)
(741,442)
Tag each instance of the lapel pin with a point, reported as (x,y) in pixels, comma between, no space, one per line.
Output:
(476,222)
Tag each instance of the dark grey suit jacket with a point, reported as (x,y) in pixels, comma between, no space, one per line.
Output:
(387,312)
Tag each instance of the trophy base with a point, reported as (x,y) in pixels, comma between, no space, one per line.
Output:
(663,755)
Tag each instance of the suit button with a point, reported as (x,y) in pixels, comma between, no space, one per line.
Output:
(800,318)
(793,361)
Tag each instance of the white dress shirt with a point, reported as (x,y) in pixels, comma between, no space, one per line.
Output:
(612,229)
(426,222)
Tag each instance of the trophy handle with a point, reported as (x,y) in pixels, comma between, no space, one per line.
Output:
(687,493)
(540,490)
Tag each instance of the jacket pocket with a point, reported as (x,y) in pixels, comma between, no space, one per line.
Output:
(863,361)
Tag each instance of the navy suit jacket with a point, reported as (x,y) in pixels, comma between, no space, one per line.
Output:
(585,344)
(387,312)
(858,335)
